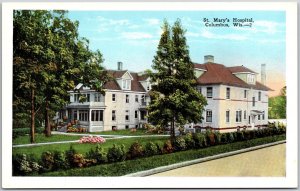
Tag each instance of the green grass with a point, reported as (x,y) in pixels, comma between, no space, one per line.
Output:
(126,132)
(36,151)
(131,166)
(41,138)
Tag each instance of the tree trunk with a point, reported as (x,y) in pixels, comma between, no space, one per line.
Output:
(32,133)
(47,121)
(173,130)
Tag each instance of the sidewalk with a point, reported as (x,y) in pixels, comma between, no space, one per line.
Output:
(108,137)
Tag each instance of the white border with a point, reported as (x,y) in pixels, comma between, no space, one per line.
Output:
(126,182)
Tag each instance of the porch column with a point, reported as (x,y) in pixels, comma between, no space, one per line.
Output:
(90,119)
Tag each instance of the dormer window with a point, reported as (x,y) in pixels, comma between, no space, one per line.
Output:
(251,78)
(126,84)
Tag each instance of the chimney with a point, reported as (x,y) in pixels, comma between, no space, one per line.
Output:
(208,58)
(263,74)
(120,65)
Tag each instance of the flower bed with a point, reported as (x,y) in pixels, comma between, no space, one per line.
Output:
(92,139)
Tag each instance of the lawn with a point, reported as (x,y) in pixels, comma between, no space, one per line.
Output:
(131,166)
(36,151)
(41,138)
(126,132)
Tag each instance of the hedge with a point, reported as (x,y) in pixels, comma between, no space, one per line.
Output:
(52,161)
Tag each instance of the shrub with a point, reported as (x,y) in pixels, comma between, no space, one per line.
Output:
(210,138)
(98,154)
(60,161)
(224,138)
(47,161)
(200,140)
(240,136)
(24,165)
(116,153)
(179,144)
(151,149)
(217,137)
(190,142)
(247,135)
(70,155)
(230,137)
(168,147)
(136,150)
(92,139)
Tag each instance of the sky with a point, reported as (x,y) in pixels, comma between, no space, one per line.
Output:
(132,38)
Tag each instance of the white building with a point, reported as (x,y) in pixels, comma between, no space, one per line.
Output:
(122,107)
(235,100)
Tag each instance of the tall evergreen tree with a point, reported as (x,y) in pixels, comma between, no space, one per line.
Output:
(174,99)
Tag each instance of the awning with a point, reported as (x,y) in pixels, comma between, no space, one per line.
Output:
(256,112)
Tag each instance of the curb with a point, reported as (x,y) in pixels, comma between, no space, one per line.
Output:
(188,163)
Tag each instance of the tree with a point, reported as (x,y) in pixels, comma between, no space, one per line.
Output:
(174,99)
(277,105)
(49,59)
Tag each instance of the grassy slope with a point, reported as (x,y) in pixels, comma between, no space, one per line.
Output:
(131,166)
(83,148)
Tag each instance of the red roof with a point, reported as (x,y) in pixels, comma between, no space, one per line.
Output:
(113,84)
(238,69)
(219,74)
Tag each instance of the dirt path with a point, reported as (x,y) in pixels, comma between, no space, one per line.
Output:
(268,161)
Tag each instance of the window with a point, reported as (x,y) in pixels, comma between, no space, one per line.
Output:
(137,98)
(143,100)
(245,94)
(83,115)
(208,116)
(258,117)
(126,84)
(227,116)
(198,88)
(97,97)
(127,115)
(113,97)
(97,115)
(263,116)
(74,115)
(136,114)
(209,92)
(259,96)
(227,93)
(127,98)
(76,97)
(136,126)
(143,115)
(245,115)
(253,101)
(238,116)
(126,126)
(113,115)
(87,97)
(251,78)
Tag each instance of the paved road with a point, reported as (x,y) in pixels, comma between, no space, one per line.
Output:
(268,161)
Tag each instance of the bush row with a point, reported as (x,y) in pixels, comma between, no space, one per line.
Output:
(25,131)
(51,161)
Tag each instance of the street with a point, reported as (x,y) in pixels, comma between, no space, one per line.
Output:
(268,162)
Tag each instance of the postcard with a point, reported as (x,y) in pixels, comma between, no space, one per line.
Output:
(149,95)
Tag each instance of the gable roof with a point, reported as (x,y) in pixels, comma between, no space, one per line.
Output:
(219,74)
(113,84)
